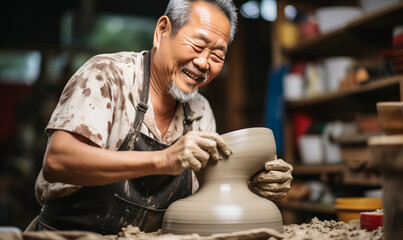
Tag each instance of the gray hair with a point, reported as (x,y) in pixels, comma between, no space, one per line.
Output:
(178,11)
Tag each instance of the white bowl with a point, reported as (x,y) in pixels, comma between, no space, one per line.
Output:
(311,148)
(374,5)
(336,70)
(332,18)
(293,86)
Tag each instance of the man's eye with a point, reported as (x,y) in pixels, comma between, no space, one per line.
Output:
(198,48)
(217,58)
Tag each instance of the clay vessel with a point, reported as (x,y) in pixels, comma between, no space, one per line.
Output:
(390,115)
(224,203)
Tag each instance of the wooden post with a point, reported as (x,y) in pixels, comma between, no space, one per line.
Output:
(235,90)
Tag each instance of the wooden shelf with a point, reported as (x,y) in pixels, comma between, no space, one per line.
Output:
(372,86)
(372,29)
(317,169)
(334,43)
(307,206)
(377,26)
(363,39)
(364,177)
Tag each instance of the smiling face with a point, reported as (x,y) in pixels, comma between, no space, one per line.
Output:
(195,55)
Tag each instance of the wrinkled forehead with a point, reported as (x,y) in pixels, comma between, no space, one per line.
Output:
(210,17)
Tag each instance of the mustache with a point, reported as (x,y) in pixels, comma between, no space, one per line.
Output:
(204,75)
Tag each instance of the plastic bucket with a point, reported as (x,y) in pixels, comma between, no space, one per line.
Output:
(350,208)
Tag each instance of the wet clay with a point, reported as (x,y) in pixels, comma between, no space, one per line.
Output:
(133,233)
(318,230)
(224,203)
(314,230)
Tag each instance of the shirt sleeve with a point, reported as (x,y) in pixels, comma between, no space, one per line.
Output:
(85,105)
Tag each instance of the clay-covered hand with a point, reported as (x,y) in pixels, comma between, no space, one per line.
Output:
(274,182)
(194,151)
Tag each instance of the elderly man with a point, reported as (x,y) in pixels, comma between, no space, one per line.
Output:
(130,129)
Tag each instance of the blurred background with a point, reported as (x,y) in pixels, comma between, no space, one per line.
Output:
(311,70)
(42,43)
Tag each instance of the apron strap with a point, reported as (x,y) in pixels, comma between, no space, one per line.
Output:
(142,106)
(189,118)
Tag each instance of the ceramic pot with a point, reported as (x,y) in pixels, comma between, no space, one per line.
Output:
(224,203)
(390,115)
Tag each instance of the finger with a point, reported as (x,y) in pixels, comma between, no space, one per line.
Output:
(184,159)
(278,165)
(209,146)
(269,195)
(194,141)
(272,177)
(201,155)
(274,187)
(194,164)
(220,142)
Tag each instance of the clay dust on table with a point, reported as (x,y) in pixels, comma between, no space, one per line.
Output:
(318,230)
(315,230)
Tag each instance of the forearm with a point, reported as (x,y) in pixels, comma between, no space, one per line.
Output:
(72,161)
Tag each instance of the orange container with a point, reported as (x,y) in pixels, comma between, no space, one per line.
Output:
(350,208)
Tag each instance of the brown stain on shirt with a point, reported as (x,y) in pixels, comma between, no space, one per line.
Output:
(120,141)
(99,77)
(105,92)
(64,123)
(85,131)
(87,92)
(109,127)
(69,89)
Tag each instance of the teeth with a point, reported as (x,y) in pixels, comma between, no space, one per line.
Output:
(190,75)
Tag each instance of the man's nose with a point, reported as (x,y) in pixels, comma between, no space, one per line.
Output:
(202,60)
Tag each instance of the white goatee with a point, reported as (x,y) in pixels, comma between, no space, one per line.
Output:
(180,95)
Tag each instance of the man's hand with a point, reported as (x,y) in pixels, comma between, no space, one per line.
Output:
(194,151)
(274,182)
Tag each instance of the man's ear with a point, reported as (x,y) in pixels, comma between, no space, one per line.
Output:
(163,29)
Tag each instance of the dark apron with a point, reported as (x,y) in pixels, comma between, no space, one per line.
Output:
(141,202)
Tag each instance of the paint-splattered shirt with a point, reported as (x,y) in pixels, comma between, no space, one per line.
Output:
(98,103)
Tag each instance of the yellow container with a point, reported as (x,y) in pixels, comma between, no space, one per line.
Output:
(350,208)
